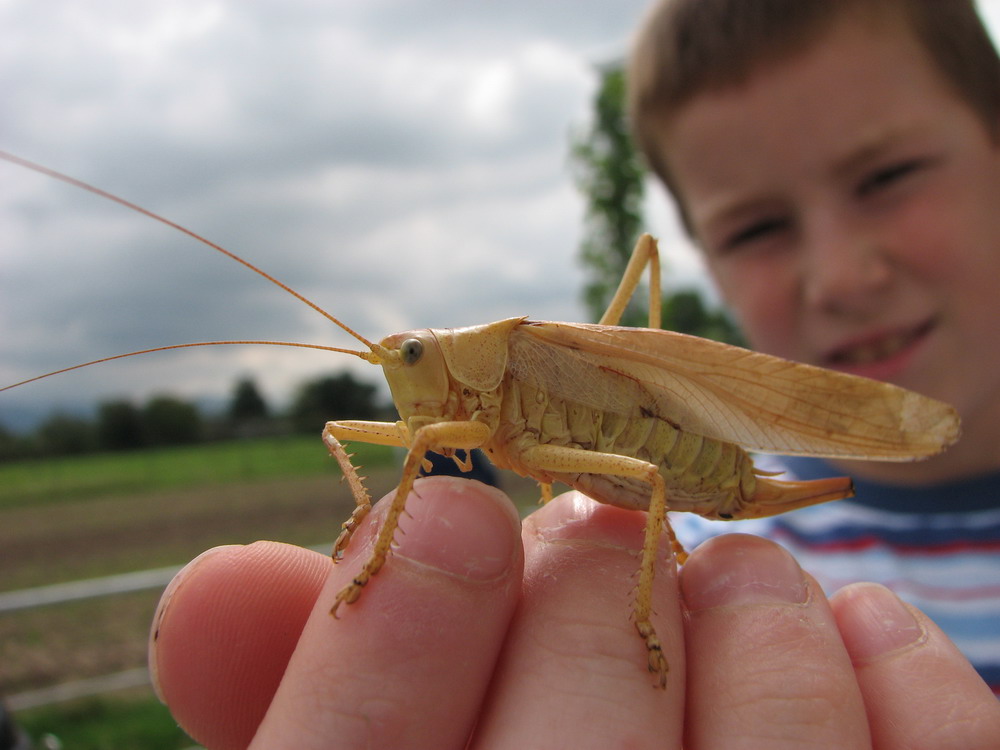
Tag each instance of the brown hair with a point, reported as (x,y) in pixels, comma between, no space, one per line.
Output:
(687,47)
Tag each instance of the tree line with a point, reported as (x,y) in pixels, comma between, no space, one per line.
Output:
(166,420)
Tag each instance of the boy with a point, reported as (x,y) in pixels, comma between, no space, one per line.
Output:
(839,165)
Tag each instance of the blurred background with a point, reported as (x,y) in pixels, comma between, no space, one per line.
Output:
(402,163)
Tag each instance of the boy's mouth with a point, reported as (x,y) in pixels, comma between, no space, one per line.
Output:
(878,348)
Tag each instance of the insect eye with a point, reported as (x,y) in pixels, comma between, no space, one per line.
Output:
(411,350)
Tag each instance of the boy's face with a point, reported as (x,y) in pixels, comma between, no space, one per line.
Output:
(848,204)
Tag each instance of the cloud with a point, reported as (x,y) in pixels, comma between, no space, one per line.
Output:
(402,163)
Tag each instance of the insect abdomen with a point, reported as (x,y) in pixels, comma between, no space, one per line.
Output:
(698,471)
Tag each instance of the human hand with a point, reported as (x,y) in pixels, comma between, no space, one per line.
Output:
(466,631)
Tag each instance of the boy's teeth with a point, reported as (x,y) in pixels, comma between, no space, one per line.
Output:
(877,350)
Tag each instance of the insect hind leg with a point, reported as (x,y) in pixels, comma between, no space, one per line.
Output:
(565,460)
(656,520)
(645,253)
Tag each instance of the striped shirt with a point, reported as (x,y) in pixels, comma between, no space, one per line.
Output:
(937,547)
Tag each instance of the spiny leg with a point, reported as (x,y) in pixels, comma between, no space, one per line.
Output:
(646,253)
(362,498)
(377,433)
(656,519)
(431,437)
(383,543)
(561,459)
(680,554)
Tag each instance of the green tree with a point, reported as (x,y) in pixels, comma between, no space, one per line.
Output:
(63,435)
(610,174)
(14,447)
(333,397)
(119,426)
(170,421)
(685,311)
(247,404)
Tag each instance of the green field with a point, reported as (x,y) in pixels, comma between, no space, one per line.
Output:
(133,720)
(83,517)
(57,480)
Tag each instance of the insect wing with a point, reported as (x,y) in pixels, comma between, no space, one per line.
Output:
(761,402)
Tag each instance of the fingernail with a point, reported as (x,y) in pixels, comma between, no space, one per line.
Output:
(876,622)
(461,528)
(737,569)
(162,608)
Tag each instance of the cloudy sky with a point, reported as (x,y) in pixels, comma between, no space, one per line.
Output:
(403,163)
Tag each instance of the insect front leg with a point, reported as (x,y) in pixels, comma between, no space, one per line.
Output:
(565,460)
(432,437)
(378,433)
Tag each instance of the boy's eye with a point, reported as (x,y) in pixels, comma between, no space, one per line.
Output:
(754,232)
(886,176)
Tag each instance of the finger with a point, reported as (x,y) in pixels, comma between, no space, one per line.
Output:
(766,664)
(921,692)
(573,670)
(407,664)
(224,631)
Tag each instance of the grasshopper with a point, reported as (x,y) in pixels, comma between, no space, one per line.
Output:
(640,418)
(643,419)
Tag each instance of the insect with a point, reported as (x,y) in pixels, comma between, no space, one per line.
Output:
(643,419)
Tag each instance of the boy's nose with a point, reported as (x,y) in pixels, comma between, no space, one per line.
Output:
(844,271)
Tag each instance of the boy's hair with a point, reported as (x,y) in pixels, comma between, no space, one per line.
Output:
(687,47)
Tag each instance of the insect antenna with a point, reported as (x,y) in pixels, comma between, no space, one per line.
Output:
(145,212)
(367,356)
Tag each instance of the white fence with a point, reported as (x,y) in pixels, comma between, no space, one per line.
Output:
(61,593)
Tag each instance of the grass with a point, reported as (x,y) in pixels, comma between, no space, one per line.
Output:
(128,721)
(58,480)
